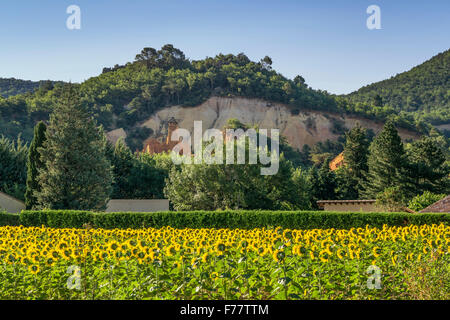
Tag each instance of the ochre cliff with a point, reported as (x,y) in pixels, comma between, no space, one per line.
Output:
(307,127)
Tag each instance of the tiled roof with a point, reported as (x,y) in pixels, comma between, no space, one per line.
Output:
(337,162)
(346,201)
(442,205)
(4,195)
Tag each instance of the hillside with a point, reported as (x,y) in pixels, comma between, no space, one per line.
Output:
(422,92)
(12,86)
(124,97)
(305,128)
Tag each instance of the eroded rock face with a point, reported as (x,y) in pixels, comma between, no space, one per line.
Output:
(115,135)
(308,127)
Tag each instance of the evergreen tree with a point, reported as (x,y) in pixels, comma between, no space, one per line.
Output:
(351,176)
(34,164)
(77,173)
(123,162)
(322,183)
(427,160)
(387,163)
(13,173)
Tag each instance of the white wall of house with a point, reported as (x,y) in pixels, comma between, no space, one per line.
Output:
(10,204)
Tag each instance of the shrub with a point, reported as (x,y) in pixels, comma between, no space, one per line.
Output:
(391,199)
(227,219)
(9,219)
(422,201)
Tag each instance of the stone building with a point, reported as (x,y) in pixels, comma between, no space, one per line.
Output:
(154,145)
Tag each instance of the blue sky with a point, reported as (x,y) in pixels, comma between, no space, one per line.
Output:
(327,42)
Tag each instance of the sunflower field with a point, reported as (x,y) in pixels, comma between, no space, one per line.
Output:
(167,263)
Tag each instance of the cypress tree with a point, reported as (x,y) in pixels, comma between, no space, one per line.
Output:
(34,164)
(123,163)
(387,163)
(77,173)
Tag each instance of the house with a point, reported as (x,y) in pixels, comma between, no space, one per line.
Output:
(442,205)
(10,204)
(354,206)
(337,162)
(130,205)
(348,205)
(153,145)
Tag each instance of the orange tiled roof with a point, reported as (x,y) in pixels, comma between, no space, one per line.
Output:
(337,162)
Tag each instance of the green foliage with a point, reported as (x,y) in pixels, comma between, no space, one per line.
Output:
(238,186)
(351,176)
(76,172)
(423,200)
(13,157)
(387,164)
(12,87)
(140,176)
(420,93)
(322,183)
(391,199)
(326,150)
(428,165)
(228,219)
(125,95)
(34,164)
(9,219)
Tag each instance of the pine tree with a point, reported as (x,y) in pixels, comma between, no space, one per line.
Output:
(34,164)
(428,162)
(351,176)
(77,173)
(322,183)
(387,163)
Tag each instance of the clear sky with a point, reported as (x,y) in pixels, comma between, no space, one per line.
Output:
(325,41)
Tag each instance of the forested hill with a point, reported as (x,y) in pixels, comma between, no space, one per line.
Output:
(124,96)
(12,86)
(423,91)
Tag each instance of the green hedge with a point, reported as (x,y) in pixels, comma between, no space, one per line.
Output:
(9,219)
(227,219)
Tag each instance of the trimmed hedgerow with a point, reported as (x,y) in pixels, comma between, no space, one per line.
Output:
(227,219)
(9,219)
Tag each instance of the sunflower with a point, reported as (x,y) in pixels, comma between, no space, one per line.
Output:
(376,251)
(34,268)
(113,246)
(341,253)
(324,256)
(425,250)
(170,251)
(278,255)
(54,254)
(50,262)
